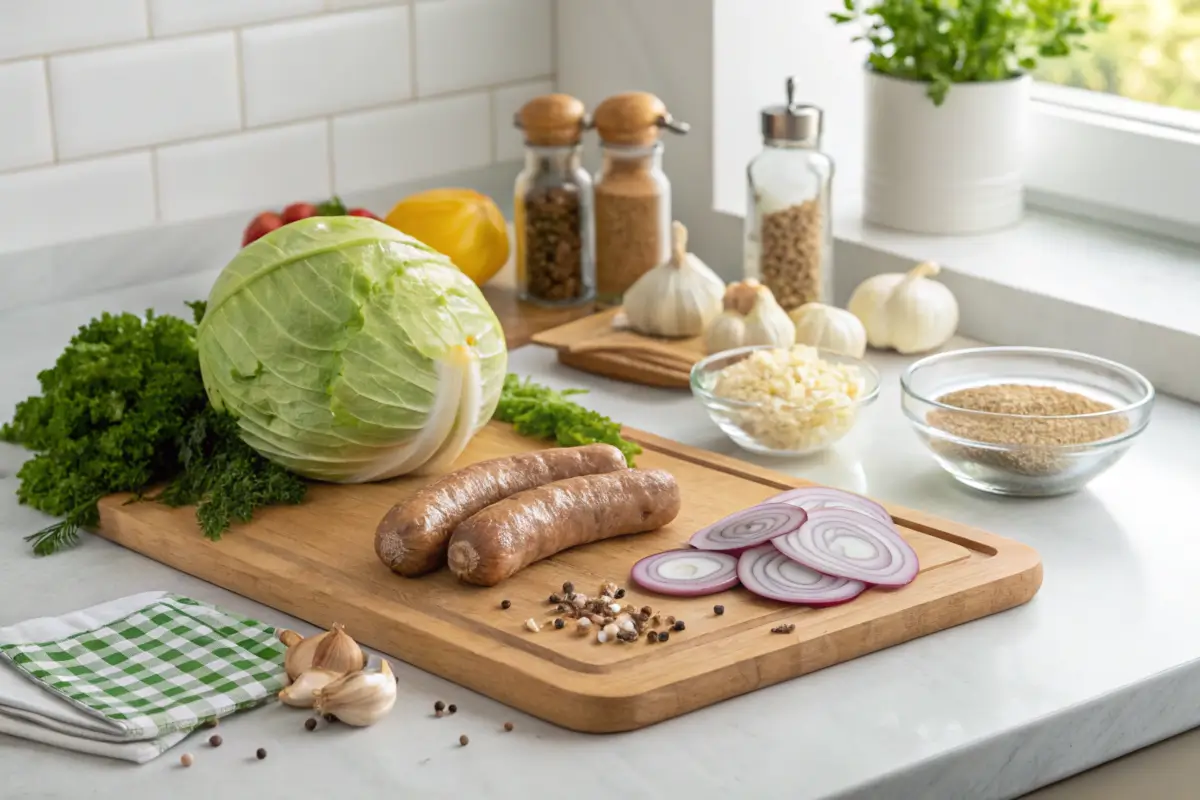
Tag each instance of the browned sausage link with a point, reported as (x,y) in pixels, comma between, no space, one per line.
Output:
(412,537)
(527,527)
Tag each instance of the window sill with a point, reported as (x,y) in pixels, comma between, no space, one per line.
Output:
(1053,281)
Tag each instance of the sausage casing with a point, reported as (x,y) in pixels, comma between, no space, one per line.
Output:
(412,537)
(527,527)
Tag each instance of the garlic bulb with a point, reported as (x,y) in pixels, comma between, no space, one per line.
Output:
(360,698)
(751,317)
(677,298)
(333,650)
(829,328)
(301,693)
(908,312)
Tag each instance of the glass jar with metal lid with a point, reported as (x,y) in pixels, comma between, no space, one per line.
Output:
(633,194)
(788,236)
(553,205)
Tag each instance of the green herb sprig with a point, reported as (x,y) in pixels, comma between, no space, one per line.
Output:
(961,41)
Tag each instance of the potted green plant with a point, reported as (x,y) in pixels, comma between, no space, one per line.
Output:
(947,104)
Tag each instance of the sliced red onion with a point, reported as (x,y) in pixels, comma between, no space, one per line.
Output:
(814,498)
(686,573)
(770,574)
(749,527)
(841,542)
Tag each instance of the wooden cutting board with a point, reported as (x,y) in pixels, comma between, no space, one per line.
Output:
(317,562)
(625,356)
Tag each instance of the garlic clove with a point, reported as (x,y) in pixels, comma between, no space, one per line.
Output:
(301,693)
(361,698)
(338,652)
(300,651)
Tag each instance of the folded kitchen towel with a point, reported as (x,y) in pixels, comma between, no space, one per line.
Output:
(131,678)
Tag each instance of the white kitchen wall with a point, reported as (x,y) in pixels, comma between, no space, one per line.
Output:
(119,115)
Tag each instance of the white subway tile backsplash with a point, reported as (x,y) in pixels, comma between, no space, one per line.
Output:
(327,64)
(75,201)
(187,16)
(25,139)
(252,171)
(506,102)
(340,4)
(463,44)
(420,140)
(37,27)
(127,97)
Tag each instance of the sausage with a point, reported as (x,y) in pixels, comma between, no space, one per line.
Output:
(504,538)
(411,538)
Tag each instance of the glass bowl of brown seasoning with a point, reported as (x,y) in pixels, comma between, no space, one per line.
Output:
(1025,421)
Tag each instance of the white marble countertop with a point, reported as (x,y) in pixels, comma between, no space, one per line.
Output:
(1104,660)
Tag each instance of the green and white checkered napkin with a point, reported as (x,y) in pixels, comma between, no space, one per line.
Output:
(146,669)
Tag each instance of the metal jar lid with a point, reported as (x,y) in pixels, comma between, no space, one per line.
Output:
(794,122)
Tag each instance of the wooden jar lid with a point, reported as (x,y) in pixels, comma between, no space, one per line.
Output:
(552,120)
(633,119)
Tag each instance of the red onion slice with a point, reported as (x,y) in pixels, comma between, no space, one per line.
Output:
(686,573)
(814,498)
(749,527)
(770,574)
(848,544)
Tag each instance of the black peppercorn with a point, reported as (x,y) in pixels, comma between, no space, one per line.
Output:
(215,740)
(718,610)
(568,588)
(554,598)
(439,705)
(505,604)
(261,753)
(663,636)
(508,726)
(647,611)
(310,724)
(652,637)
(558,624)
(450,709)
(678,626)
(620,593)
(463,740)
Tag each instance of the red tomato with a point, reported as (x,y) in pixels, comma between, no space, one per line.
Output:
(261,225)
(298,211)
(362,212)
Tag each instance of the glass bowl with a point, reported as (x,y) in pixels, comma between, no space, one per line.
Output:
(1017,454)
(774,427)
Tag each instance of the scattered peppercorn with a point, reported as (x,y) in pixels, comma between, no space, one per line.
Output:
(330,718)
(718,610)
(508,726)
(663,636)
(439,705)
(670,620)
(568,588)
(505,604)
(647,611)
(786,627)
(187,759)
(620,593)
(558,624)
(627,636)
(555,599)
(651,637)
(450,709)
(463,740)
(215,740)
(261,753)
(678,626)
(310,724)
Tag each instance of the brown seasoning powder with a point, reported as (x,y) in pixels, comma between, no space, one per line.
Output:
(1033,428)
(793,245)
(553,244)
(629,234)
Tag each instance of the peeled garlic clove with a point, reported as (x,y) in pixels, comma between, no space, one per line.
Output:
(300,652)
(360,698)
(301,693)
(338,652)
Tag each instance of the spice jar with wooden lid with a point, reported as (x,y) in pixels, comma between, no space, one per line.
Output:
(788,241)
(633,194)
(553,205)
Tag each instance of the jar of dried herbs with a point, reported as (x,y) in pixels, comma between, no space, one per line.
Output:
(553,205)
(788,237)
(633,194)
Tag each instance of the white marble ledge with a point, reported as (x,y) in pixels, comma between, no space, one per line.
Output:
(1104,660)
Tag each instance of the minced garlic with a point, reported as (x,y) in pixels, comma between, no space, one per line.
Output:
(802,401)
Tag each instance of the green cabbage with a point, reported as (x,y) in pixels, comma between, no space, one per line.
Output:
(351,352)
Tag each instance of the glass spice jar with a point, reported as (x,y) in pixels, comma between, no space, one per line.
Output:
(633,194)
(788,236)
(553,205)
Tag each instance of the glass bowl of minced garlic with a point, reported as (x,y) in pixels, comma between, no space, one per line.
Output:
(1025,421)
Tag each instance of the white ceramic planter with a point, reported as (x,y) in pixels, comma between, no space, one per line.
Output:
(948,169)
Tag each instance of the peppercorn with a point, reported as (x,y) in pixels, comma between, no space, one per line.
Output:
(187,759)
(620,593)
(505,604)
(554,599)
(627,636)
(651,637)
(663,636)
(215,740)
(670,620)
(439,705)
(786,627)
(508,726)
(678,626)
(463,740)
(450,709)
(568,588)
(718,610)
(647,611)
(310,724)
(558,624)
(261,753)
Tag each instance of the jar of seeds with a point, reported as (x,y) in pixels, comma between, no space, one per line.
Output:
(633,195)
(552,205)
(788,235)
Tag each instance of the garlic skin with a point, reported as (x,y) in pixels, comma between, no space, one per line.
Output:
(675,299)
(751,317)
(361,698)
(301,693)
(829,328)
(909,313)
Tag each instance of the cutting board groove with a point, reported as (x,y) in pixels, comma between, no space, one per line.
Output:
(317,562)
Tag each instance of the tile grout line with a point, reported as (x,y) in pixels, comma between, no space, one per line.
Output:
(158,212)
(50,113)
(494,138)
(554,40)
(412,49)
(329,157)
(240,74)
